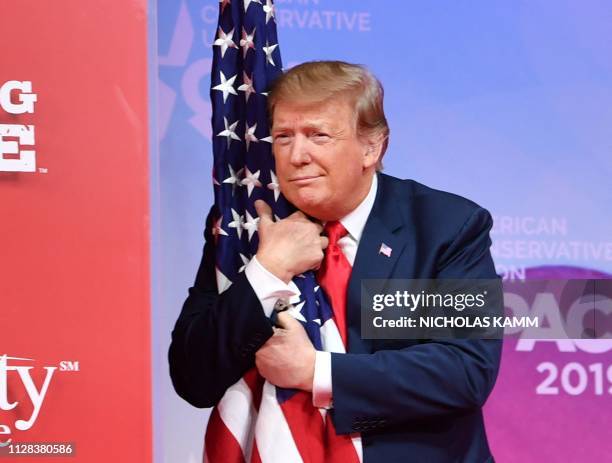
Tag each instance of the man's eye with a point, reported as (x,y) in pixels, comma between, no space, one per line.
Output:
(320,136)
(281,138)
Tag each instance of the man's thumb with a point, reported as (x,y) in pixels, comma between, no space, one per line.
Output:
(263,211)
(285,320)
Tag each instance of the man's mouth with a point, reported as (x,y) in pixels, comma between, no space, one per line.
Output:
(304,179)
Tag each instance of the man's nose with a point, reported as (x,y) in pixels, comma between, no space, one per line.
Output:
(299,151)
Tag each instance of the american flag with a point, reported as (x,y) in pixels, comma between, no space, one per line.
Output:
(256,421)
(385,250)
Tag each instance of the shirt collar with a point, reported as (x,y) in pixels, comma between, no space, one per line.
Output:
(355,221)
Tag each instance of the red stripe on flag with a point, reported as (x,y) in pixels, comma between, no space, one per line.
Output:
(316,441)
(220,445)
(306,425)
(255,382)
(338,447)
(255,458)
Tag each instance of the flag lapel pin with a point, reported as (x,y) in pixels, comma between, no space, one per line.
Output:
(385,250)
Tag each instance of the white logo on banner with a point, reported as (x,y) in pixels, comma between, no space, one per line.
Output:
(14,137)
(36,396)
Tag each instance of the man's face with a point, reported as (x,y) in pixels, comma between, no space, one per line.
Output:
(323,168)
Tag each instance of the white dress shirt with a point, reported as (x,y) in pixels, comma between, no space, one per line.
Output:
(269,288)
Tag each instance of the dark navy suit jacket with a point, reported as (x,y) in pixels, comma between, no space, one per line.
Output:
(411,400)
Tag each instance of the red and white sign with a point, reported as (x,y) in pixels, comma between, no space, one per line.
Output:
(74,228)
(23,134)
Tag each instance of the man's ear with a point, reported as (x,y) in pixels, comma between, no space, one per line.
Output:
(373,150)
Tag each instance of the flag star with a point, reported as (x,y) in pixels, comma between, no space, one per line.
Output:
(234,178)
(214,178)
(247,86)
(317,321)
(251,180)
(247,41)
(226,86)
(249,135)
(230,132)
(224,41)
(268,50)
(245,261)
(224,3)
(316,288)
(248,2)
(274,186)
(296,311)
(268,139)
(223,282)
(237,223)
(251,224)
(269,10)
(218,230)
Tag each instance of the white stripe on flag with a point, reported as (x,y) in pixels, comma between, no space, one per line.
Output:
(358,448)
(274,440)
(238,413)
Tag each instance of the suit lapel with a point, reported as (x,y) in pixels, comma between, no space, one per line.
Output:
(385,225)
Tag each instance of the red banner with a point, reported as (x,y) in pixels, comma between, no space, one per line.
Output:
(74,221)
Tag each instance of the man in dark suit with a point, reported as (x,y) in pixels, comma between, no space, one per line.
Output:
(410,400)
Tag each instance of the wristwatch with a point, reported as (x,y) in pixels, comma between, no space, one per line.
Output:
(281,305)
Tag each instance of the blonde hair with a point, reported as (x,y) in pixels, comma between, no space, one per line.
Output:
(316,81)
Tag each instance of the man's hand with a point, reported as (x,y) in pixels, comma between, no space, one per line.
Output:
(290,246)
(287,359)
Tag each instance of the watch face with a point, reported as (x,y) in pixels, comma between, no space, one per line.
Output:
(281,305)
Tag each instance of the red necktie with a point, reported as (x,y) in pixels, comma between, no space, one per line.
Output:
(334,274)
